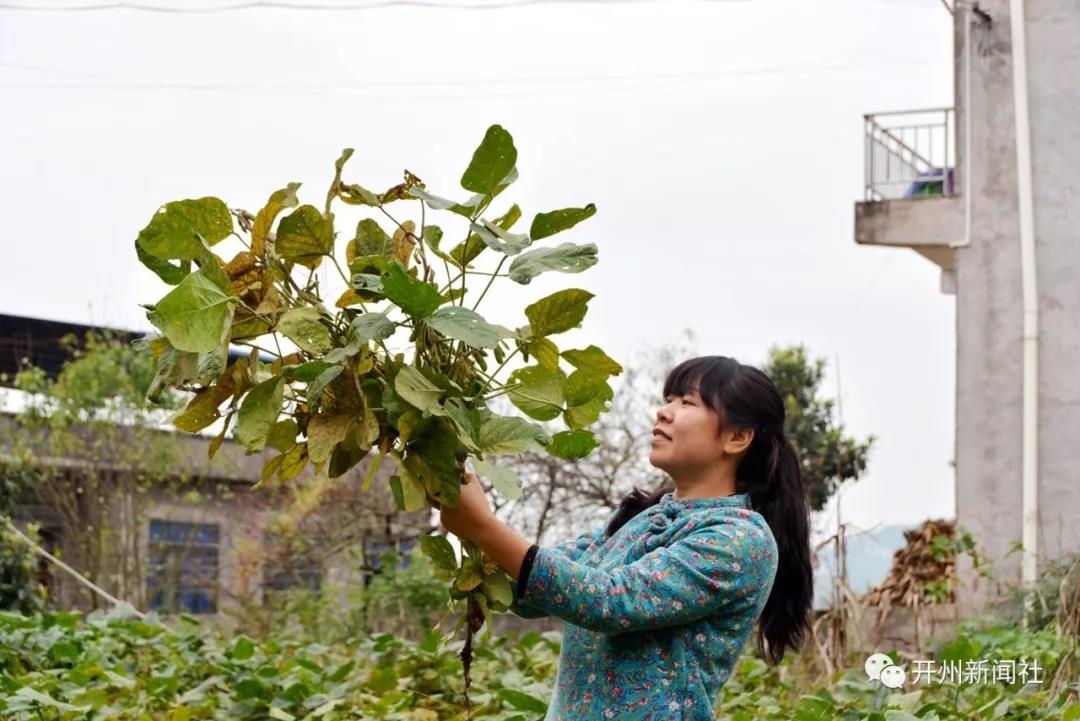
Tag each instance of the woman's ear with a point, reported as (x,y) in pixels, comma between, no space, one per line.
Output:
(738,440)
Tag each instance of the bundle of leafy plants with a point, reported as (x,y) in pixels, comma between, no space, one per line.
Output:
(322,385)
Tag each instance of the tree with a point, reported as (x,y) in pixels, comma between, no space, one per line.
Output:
(829,458)
(560,497)
(88,447)
(19,586)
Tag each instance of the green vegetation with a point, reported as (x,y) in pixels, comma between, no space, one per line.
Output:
(111,666)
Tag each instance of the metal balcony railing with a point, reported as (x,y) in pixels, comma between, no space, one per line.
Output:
(910,154)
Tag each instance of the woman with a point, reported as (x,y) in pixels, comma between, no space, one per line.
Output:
(659,603)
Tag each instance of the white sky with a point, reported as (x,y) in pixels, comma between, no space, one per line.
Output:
(721,142)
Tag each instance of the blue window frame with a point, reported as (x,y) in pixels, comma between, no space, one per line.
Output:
(183,566)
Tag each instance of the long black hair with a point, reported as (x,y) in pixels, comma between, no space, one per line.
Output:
(770,473)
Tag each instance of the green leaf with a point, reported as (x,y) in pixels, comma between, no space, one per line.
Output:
(397,491)
(572,445)
(467,581)
(582,386)
(371,326)
(439,550)
(578,417)
(466,420)
(382,680)
(243,648)
(565,258)
(592,359)
(370,239)
(413,490)
(464,253)
(304,236)
(409,489)
(416,389)
(369,282)
(491,163)
(316,387)
(545,352)
(436,202)
(509,435)
(505,481)
(558,312)
(540,394)
(282,435)
(523,701)
(303,326)
(171,274)
(433,235)
(258,411)
(432,458)
(250,688)
(46,700)
(174,368)
(416,297)
(546,224)
(498,589)
(195,314)
(467,326)
(306,372)
(354,194)
(498,239)
(173,231)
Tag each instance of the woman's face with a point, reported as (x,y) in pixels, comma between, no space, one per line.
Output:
(686,434)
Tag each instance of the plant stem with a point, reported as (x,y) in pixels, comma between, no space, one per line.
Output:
(490,281)
(496,371)
(505,389)
(348,282)
(261,349)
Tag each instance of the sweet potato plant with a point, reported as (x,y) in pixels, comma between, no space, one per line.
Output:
(321,384)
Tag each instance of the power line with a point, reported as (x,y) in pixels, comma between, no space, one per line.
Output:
(557,85)
(283,5)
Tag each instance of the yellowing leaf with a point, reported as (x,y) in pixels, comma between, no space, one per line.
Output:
(264,221)
(325,431)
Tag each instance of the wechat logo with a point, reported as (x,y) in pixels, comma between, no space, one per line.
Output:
(880,667)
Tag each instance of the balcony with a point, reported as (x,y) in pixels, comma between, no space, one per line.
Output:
(910,154)
(910,189)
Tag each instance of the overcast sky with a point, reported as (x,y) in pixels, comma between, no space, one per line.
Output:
(721,142)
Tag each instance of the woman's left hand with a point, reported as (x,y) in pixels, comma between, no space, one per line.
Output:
(472,515)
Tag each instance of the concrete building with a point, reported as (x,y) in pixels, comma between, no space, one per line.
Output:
(950,185)
(196,538)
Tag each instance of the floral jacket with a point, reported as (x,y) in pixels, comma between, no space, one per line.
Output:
(657,614)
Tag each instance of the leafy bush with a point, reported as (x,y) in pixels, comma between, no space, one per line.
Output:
(402,601)
(110,665)
(19,587)
(66,666)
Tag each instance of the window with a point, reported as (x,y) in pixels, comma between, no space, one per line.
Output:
(183,566)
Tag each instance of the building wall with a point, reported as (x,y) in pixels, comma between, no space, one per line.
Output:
(989,389)
(216,492)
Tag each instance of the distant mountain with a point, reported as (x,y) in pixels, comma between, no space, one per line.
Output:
(869,557)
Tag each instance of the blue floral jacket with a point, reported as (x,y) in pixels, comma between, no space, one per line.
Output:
(657,614)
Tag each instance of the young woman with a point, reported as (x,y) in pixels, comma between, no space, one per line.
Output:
(660,602)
